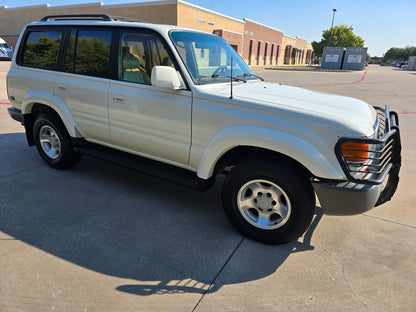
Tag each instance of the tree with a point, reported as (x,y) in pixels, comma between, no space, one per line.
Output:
(399,54)
(342,36)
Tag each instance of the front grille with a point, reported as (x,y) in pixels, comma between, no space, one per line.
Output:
(381,123)
(368,161)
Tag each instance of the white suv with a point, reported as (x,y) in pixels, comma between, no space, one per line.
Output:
(181,104)
(6,53)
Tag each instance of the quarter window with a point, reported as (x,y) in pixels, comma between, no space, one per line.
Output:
(42,48)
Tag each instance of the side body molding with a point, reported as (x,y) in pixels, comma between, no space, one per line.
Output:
(274,140)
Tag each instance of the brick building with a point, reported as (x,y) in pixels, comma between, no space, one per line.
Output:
(258,44)
(262,44)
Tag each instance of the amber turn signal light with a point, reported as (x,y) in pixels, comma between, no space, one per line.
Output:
(355,151)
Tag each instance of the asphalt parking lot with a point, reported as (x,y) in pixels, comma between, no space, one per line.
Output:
(103,238)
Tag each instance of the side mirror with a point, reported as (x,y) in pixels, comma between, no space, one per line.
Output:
(165,77)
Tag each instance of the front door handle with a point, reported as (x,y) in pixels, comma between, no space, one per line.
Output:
(119,99)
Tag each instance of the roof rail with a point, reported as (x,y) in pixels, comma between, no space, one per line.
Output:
(126,19)
(102,17)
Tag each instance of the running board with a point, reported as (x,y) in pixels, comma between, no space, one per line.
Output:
(144,165)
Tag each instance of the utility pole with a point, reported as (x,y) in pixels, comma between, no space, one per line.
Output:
(332,26)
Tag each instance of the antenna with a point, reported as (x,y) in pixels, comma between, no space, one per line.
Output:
(231,78)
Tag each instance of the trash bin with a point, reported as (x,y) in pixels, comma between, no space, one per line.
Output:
(411,64)
(354,58)
(332,58)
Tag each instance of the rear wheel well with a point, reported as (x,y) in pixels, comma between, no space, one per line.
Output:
(29,119)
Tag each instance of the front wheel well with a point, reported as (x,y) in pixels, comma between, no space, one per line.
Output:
(242,153)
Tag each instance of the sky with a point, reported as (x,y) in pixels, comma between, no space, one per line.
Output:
(382,24)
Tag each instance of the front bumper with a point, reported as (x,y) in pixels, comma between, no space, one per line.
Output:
(347,198)
(371,186)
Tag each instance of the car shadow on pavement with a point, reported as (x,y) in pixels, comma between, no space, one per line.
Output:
(243,267)
(118,222)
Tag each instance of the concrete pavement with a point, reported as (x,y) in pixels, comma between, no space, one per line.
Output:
(103,238)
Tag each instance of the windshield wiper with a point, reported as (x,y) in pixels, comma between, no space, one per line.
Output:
(222,76)
(250,74)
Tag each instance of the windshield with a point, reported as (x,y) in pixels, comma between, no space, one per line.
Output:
(208,57)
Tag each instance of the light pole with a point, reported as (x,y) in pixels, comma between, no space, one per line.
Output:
(332,25)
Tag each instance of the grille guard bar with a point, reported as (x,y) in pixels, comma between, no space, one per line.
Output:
(390,163)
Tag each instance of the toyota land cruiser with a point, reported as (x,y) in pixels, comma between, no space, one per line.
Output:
(181,104)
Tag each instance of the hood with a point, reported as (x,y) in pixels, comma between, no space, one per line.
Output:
(335,109)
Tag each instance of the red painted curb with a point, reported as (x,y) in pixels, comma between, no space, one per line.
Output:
(336,84)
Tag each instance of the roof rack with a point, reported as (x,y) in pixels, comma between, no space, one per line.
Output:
(102,17)
(126,19)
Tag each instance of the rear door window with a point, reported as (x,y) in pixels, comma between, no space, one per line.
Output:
(88,53)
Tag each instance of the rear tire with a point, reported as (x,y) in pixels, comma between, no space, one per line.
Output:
(54,143)
(268,202)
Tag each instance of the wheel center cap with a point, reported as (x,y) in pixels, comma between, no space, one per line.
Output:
(263,203)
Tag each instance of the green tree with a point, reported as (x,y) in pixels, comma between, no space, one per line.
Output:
(399,54)
(342,36)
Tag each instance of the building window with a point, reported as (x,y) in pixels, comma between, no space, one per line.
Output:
(258,53)
(211,24)
(277,54)
(265,53)
(250,52)
(271,54)
(201,21)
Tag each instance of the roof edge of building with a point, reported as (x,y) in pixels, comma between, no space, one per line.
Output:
(89,4)
(138,4)
(5,7)
(80,5)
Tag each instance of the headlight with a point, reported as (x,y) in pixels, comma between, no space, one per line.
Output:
(368,160)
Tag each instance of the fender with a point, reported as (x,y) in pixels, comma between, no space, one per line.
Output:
(54,102)
(290,145)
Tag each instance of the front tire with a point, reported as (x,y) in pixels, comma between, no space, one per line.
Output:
(268,202)
(54,143)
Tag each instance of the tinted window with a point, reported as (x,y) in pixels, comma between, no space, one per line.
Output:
(42,48)
(138,53)
(88,53)
(70,53)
